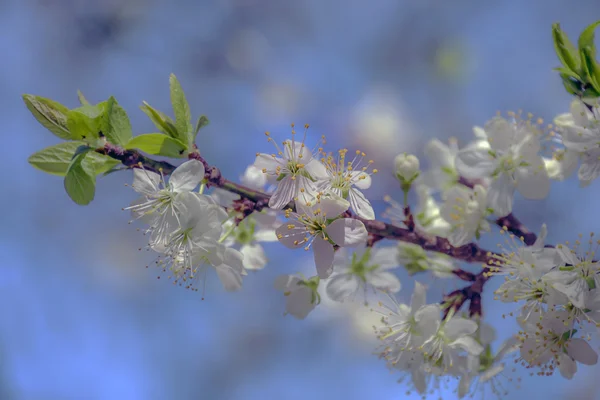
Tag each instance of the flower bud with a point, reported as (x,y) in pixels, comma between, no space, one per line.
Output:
(407,167)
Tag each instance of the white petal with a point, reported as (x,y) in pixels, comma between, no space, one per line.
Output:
(464,386)
(323,252)
(347,232)
(439,154)
(580,139)
(417,299)
(299,302)
(361,179)
(457,327)
(500,195)
(296,151)
(187,176)
(285,192)
(567,255)
(144,181)
(342,286)
(361,205)
(533,181)
(332,206)
(491,372)
(582,352)
(475,162)
(286,283)
(230,272)
(567,366)
(268,163)
(590,167)
(384,281)
(254,256)
(254,178)
(468,344)
(316,169)
(500,133)
(266,235)
(291,234)
(385,257)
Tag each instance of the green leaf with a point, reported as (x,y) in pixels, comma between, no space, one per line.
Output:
(119,128)
(162,122)
(52,115)
(82,100)
(157,144)
(55,160)
(565,50)
(87,123)
(202,122)
(79,183)
(586,39)
(567,72)
(181,109)
(590,68)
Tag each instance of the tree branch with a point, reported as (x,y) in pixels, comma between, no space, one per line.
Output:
(255,200)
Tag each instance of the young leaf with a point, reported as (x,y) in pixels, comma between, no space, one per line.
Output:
(202,122)
(565,50)
(79,183)
(82,100)
(181,109)
(157,144)
(572,86)
(52,115)
(55,160)
(586,39)
(87,122)
(162,122)
(119,128)
(590,68)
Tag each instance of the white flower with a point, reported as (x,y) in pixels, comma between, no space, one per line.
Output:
(249,233)
(510,157)
(310,227)
(403,326)
(367,267)
(441,174)
(301,294)
(575,275)
(293,169)
(415,260)
(580,130)
(344,179)
(406,166)
(549,343)
(562,164)
(465,210)
(195,245)
(160,201)
(448,338)
(487,368)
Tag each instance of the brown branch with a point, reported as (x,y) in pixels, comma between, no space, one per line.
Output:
(255,200)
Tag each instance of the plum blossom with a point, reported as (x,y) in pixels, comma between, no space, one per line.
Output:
(548,342)
(510,158)
(345,179)
(312,227)
(160,203)
(195,245)
(293,168)
(301,294)
(415,260)
(257,228)
(466,211)
(367,267)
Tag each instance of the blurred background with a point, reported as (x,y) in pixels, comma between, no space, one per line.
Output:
(81,316)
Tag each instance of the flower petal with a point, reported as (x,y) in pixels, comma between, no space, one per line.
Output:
(342,286)
(286,283)
(360,204)
(285,192)
(187,176)
(533,181)
(145,182)
(500,195)
(361,179)
(500,133)
(475,162)
(347,232)
(458,327)
(582,352)
(254,256)
(384,281)
(292,234)
(323,252)
(230,272)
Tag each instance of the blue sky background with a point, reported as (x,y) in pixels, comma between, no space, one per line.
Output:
(81,316)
